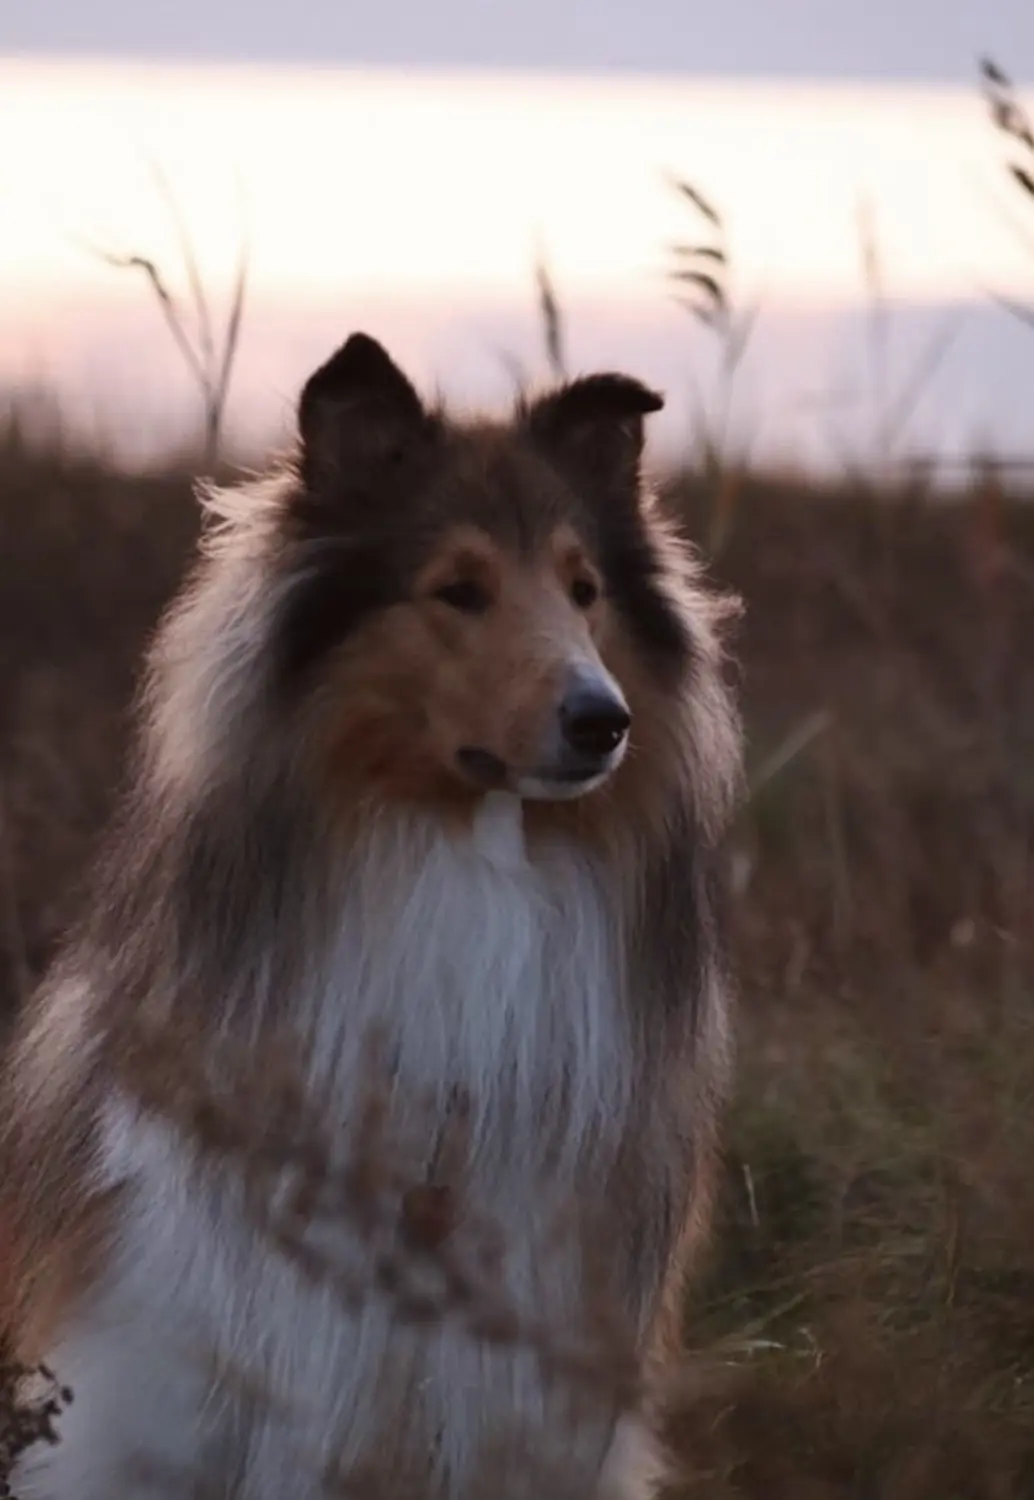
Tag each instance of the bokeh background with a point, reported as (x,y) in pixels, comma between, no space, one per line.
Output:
(813,226)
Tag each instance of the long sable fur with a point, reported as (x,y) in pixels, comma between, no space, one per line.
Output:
(217,905)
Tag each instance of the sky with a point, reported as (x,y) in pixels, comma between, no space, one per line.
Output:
(875,40)
(398,167)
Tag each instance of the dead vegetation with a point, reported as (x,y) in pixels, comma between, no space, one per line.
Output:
(1016,131)
(866,1326)
(208,351)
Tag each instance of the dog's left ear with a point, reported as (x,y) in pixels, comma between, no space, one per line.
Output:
(356,414)
(592,428)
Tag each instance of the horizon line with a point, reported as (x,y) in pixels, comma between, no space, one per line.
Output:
(550,74)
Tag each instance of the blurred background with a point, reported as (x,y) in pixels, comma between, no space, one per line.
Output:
(405,166)
(813,226)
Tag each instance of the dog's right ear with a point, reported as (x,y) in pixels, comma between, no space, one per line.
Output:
(357,412)
(592,428)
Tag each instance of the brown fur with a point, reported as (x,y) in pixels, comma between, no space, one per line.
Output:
(312,674)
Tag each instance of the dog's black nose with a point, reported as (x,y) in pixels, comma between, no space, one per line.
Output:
(593,720)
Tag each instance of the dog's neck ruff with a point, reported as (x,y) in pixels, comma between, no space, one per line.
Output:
(499,830)
(482,967)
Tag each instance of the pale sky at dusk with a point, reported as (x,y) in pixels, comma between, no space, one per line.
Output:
(401,162)
(914,40)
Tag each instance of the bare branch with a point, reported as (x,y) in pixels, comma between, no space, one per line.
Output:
(928,362)
(1019,310)
(698,200)
(210,366)
(551,316)
(1024,178)
(701,252)
(708,285)
(514,369)
(190,262)
(993,73)
(1007,112)
(166,300)
(231,337)
(741,331)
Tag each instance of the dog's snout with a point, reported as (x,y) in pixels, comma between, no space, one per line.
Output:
(593,719)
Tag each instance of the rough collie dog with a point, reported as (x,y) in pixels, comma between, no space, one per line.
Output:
(435,741)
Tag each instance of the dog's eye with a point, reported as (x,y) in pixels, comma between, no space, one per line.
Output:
(466,595)
(584,593)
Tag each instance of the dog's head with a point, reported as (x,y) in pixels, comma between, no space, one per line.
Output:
(476,605)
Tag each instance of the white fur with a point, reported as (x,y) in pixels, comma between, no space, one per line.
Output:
(633,1469)
(490,972)
(543,789)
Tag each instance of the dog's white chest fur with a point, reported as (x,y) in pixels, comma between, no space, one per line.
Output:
(486,971)
(499,831)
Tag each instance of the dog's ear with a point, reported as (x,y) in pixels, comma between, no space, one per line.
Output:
(356,413)
(592,428)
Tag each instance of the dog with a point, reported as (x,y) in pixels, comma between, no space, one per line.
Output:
(435,743)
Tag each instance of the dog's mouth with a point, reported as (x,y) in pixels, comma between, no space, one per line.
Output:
(562,782)
(483,768)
